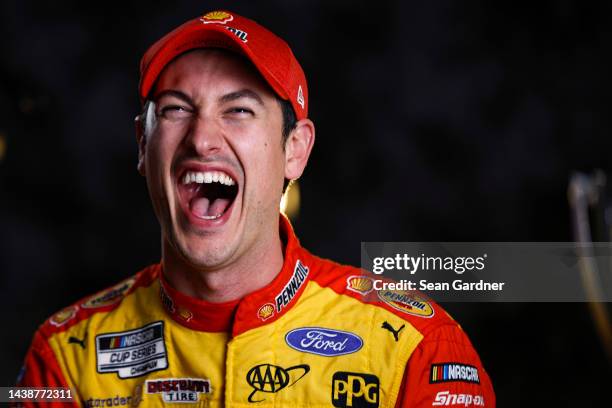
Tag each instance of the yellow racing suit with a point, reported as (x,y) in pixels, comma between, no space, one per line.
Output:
(318,335)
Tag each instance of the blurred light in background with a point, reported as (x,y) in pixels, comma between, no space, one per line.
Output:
(27,104)
(2,146)
(290,202)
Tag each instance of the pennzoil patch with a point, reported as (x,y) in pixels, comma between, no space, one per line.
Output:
(132,353)
(63,316)
(406,302)
(300,272)
(109,296)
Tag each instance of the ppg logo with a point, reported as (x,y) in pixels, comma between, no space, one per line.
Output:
(355,390)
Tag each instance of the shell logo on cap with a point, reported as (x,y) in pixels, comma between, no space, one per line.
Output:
(360,284)
(216,17)
(266,311)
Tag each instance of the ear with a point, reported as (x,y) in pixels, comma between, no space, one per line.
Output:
(298,147)
(141,140)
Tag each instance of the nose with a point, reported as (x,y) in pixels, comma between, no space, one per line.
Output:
(205,136)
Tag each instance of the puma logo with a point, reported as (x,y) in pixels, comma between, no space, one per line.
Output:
(75,340)
(387,326)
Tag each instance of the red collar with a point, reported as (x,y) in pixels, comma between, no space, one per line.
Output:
(255,309)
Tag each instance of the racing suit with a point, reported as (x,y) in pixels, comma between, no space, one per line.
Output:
(318,335)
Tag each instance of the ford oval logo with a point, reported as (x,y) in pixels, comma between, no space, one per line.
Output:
(324,342)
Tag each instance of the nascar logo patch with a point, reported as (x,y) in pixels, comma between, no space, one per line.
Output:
(447,372)
(132,353)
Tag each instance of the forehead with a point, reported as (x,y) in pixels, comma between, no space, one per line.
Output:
(208,69)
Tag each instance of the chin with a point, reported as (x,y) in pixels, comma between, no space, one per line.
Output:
(204,255)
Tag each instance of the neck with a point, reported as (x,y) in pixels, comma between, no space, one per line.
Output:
(250,272)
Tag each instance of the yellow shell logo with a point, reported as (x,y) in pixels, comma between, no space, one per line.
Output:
(219,17)
(185,314)
(63,316)
(266,311)
(109,296)
(360,284)
(406,302)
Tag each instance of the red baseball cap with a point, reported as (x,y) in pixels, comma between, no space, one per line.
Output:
(222,29)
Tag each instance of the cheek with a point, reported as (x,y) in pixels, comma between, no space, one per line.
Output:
(160,151)
(270,161)
(274,169)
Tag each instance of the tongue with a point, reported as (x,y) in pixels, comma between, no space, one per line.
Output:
(202,207)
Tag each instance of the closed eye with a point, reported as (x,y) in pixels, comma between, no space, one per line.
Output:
(240,109)
(174,112)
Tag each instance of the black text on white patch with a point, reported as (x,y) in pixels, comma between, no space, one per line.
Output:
(132,353)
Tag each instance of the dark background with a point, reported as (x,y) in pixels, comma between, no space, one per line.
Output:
(436,121)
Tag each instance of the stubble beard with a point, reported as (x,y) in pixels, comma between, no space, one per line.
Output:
(202,255)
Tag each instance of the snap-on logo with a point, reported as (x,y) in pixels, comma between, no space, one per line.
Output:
(324,342)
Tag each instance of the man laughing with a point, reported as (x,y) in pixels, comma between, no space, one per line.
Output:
(237,313)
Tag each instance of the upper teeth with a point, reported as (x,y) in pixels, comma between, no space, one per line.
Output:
(208,177)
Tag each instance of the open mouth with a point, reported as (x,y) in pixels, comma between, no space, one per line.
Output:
(208,194)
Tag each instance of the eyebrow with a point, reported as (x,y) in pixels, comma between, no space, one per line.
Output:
(243,93)
(172,92)
(232,96)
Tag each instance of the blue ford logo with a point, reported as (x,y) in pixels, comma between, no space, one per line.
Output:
(324,342)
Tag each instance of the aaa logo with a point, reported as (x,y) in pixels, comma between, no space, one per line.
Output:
(271,378)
